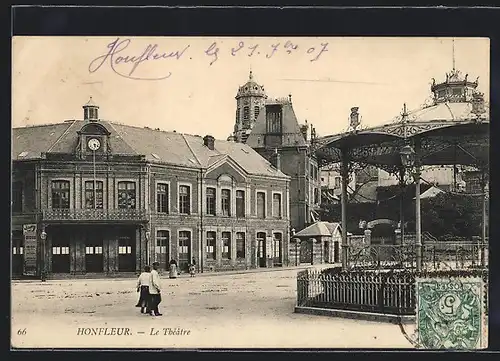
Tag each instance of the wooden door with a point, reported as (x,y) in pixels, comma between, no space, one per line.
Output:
(184,250)
(261,249)
(126,253)
(60,251)
(94,261)
(306,252)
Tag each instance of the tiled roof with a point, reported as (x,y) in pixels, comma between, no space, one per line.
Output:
(320,228)
(156,145)
(292,135)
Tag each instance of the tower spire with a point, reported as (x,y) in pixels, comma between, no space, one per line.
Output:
(250,76)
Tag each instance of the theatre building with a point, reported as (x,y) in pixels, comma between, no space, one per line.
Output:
(93,196)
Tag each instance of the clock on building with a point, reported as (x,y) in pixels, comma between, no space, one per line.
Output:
(94,144)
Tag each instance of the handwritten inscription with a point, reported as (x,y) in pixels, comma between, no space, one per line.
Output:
(124,63)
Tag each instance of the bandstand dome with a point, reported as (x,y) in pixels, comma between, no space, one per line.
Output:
(453,129)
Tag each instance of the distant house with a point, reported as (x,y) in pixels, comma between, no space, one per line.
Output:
(318,243)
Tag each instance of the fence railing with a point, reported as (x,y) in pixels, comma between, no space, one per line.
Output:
(435,256)
(386,292)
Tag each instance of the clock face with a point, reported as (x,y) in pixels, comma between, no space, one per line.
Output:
(94,144)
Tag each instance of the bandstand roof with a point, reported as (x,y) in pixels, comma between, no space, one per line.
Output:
(452,130)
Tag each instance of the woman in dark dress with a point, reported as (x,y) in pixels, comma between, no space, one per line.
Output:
(143,283)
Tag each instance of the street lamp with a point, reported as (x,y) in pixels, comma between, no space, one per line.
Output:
(408,160)
(407,156)
(43,237)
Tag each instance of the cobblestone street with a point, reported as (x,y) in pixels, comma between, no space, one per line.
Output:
(216,311)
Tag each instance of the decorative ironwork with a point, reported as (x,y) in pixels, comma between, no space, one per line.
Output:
(94,215)
(435,256)
(388,293)
(382,257)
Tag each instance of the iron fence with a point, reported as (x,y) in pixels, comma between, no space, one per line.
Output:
(383,292)
(435,256)
(379,292)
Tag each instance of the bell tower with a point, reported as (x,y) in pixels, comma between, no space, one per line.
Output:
(250,100)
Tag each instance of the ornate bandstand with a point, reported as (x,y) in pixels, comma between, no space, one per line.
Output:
(451,130)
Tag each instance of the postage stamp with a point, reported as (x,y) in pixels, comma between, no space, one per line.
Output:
(450,313)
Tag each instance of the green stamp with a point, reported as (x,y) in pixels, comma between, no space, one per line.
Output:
(450,313)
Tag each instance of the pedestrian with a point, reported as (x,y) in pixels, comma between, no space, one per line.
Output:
(173,269)
(143,283)
(155,291)
(192,269)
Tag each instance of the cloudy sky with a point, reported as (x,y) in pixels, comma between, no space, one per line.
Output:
(189,84)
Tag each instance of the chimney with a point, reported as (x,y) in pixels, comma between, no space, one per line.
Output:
(209,142)
(276,159)
(304,129)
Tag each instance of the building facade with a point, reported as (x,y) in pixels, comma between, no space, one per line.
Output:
(277,136)
(92,196)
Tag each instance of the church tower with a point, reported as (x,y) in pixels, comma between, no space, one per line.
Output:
(250,100)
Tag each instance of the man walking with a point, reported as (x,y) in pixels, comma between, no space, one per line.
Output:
(155,291)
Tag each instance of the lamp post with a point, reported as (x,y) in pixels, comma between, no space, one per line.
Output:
(43,237)
(408,160)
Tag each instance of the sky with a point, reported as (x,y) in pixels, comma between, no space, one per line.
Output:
(189,84)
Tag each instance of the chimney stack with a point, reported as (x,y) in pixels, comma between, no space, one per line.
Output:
(276,159)
(209,142)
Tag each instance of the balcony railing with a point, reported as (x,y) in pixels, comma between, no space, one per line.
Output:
(94,215)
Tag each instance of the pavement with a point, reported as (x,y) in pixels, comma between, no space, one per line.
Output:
(236,310)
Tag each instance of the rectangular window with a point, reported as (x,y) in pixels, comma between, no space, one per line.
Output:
(184,199)
(17,197)
(60,194)
(211,251)
(124,250)
(211,201)
(277,205)
(277,247)
(89,250)
(226,245)
(89,194)
(226,202)
(337,182)
(126,195)
(98,250)
(60,250)
(162,198)
(261,205)
(240,204)
(274,120)
(240,245)
(162,241)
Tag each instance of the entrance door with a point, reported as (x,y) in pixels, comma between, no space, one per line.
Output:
(326,252)
(306,248)
(126,253)
(17,253)
(261,249)
(93,252)
(60,251)
(336,252)
(184,250)
(277,259)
